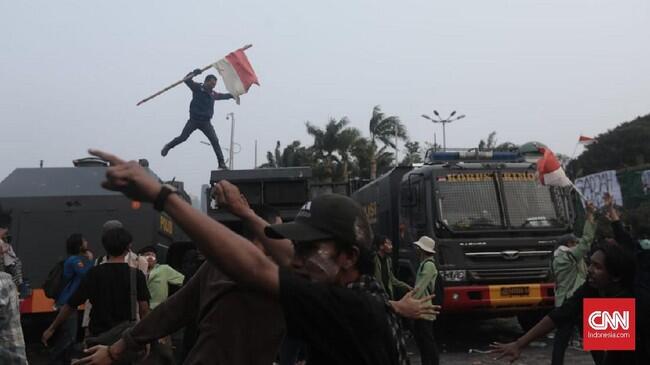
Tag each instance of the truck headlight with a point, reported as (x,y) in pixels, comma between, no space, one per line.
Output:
(453,275)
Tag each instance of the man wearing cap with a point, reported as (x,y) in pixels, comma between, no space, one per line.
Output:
(329,298)
(201,111)
(570,271)
(425,281)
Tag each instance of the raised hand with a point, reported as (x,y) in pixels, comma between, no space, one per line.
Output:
(230,198)
(129,178)
(611,213)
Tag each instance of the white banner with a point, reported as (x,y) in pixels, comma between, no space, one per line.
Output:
(594,186)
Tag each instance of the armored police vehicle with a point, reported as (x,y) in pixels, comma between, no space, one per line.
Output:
(49,204)
(494,224)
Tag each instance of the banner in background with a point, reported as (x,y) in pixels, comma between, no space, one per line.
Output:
(594,186)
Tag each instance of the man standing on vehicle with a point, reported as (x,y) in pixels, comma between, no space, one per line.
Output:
(201,111)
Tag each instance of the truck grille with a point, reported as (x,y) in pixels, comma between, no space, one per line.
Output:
(496,275)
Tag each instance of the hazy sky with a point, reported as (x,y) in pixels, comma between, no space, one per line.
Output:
(71,72)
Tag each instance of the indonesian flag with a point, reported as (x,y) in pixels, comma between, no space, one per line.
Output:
(586,141)
(237,73)
(550,171)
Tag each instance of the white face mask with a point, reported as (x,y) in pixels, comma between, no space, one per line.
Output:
(645,244)
(321,267)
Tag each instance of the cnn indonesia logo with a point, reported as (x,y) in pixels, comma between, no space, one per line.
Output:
(609,324)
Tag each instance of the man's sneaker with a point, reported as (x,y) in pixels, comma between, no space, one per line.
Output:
(223,167)
(164,151)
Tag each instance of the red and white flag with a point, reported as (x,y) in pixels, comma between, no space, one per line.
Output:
(586,141)
(237,73)
(550,170)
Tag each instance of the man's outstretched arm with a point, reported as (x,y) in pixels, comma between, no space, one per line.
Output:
(233,254)
(280,250)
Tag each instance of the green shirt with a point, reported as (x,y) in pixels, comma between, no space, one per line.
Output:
(425,281)
(569,267)
(392,280)
(158,281)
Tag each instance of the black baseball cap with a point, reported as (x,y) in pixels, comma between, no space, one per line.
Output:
(328,216)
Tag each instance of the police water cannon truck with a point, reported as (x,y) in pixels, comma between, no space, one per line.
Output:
(49,204)
(494,224)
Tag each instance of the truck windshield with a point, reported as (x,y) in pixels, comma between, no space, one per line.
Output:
(530,205)
(468,201)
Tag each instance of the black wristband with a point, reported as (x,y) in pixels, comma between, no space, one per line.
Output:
(165,191)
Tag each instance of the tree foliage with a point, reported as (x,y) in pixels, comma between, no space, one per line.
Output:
(625,146)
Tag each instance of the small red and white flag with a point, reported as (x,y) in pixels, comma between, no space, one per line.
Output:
(550,170)
(237,73)
(586,141)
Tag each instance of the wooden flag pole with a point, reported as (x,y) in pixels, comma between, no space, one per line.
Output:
(182,80)
(578,191)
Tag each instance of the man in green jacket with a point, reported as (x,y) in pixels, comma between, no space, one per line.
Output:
(384,267)
(570,271)
(159,277)
(425,285)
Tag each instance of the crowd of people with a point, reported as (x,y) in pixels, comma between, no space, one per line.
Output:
(317,290)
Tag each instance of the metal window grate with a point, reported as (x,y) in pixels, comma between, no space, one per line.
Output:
(529,204)
(469,205)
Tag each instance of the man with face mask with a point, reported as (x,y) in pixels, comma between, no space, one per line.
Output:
(201,111)
(329,299)
(159,277)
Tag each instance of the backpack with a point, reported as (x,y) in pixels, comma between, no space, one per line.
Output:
(54,284)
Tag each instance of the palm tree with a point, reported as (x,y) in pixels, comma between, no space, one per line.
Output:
(385,129)
(347,139)
(330,140)
(292,155)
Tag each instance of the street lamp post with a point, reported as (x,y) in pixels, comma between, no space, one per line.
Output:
(231,153)
(444,123)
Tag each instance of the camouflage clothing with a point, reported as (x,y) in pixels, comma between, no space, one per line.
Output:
(12,350)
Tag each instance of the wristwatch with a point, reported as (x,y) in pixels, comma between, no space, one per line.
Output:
(165,191)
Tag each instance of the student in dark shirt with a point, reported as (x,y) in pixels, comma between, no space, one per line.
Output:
(235,325)
(610,275)
(107,287)
(329,299)
(201,111)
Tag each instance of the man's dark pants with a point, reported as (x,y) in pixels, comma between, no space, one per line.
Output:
(62,343)
(423,334)
(208,130)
